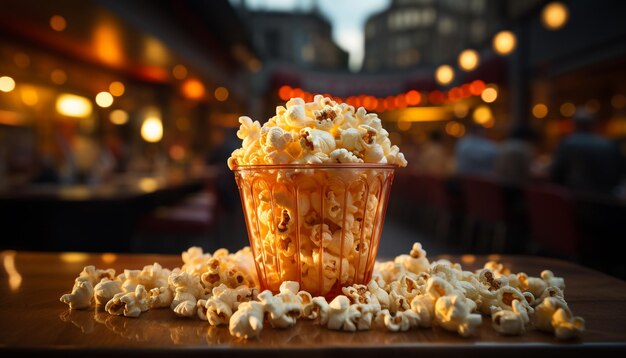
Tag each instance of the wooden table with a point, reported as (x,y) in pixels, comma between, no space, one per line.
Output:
(33,320)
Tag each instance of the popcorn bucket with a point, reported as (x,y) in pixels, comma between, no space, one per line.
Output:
(319,224)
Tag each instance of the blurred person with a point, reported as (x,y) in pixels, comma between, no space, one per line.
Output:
(432,157)
(475,153)
(585,161)
(514,161)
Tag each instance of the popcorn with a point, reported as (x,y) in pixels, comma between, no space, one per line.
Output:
(342,315)
(128,304)
(511,322)
(453,313)
(93,275)
(398,322)
(396,298)
(81,296)
(106,289)
(553,315)
(247,321)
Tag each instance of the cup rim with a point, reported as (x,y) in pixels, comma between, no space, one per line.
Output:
(318,166)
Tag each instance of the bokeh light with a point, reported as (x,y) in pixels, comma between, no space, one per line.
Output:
(489,95)
(468,60)
(104,99)
(119,117)
(58,77)
(444,74)
(567,109)
(7,84)
(117,88)
(554,15)
(540,110)
(73,106)
(482,114)
(221,94)
(413,98)
(152,129)
(58,23)
(179,72)
(193,89)
(504,42)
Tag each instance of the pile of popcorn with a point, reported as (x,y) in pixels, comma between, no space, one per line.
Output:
(406,293)
(317,132)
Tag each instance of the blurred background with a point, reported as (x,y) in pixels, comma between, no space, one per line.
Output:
(117,117)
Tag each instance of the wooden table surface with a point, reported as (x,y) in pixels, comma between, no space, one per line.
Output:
(33,320)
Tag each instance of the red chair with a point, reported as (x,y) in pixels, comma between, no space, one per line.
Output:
(485,204)
(553,220)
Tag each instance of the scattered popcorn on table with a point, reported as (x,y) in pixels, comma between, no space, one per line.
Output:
(404,294)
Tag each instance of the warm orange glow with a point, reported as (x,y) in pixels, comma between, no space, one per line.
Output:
(455,129)
(444,74)
(148,185)
(15,279)
(193,89)
(117,88)
(119,117)
(436,97)
(504,42)
(179,72)
(254,65)
(29,96)
(404,125)
(21,60)
(183,124)
(370,102)
(400,101)
(592,105)
(297,93)
(104,99)
(422,114)
(307,97)
(58,23)
(489,95)
(7,84)
(155,52)
(73,257)
(465,90)
(177,152)
(460,110)
(554,15)
(152,129)
(108,258)
(477,87)
(390,103)
(482,115)
(107,44)
(221,94)
(540,110)
(413,98)
(468,60)
(567,109)
(618,101)
(73,106)
(284,92)
(58,77)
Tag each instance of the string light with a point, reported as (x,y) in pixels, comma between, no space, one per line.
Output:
(540,110)
(554,15)
(504,42)
(104,99)
(468,60)
(444,74)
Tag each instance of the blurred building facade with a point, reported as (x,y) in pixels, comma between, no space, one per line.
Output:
(302,39)
(427,32)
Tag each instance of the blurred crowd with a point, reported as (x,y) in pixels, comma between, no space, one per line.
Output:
(584,161)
